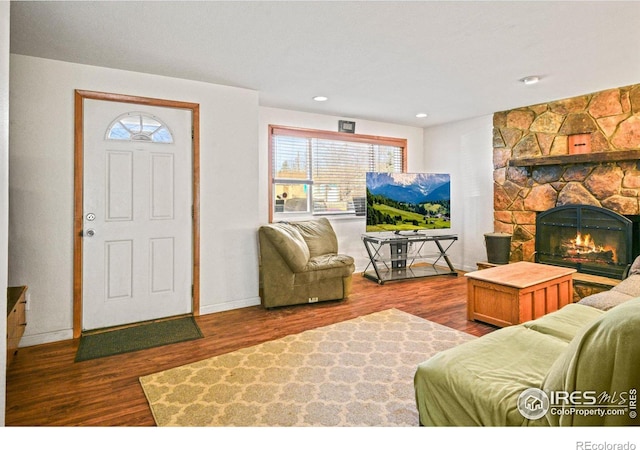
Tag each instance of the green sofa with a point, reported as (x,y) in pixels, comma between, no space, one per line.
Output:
(300,263)
(579,349)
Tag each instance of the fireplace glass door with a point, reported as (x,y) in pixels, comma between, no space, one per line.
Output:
(590,239)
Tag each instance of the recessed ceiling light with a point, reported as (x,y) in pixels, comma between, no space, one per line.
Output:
(530,80)
(320,98)
(421,115)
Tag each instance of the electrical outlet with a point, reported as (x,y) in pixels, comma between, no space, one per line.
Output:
(313,299)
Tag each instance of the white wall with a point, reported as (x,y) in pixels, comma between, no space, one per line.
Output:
(348,229)
(234,146)
(41,185)
(4,191)
(464,149)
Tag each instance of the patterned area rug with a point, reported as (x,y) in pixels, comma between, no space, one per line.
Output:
(353,373)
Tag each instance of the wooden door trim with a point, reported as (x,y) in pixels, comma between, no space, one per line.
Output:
(80,96)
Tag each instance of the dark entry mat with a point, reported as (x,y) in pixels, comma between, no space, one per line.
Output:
(140,337)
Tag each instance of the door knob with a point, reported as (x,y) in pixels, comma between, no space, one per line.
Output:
(90,232)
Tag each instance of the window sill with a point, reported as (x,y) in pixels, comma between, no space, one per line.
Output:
(286,217)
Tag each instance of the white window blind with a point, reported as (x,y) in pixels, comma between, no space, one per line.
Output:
(324,173)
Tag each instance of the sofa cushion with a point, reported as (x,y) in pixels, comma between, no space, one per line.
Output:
(290,244)
(566,322)
(629,286)
(605,300)
(635,267)
(603,357)
(319,236)
(626,290)
(478,383)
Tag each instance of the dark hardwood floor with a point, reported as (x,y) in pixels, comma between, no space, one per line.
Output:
(45,387)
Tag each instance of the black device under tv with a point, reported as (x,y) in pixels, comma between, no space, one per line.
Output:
(399,254)
(406,233)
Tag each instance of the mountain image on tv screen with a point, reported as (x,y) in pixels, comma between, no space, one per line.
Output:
(408,201)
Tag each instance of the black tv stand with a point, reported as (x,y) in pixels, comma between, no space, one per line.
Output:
(404,258)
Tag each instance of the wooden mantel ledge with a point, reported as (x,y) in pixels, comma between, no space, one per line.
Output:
(618,155)
(595,279)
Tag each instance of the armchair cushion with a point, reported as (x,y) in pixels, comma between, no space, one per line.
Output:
(290,245)
(324,267)
(319,236)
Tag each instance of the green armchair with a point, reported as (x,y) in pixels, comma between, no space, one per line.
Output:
(299,263)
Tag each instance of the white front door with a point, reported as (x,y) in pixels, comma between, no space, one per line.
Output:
(137,214)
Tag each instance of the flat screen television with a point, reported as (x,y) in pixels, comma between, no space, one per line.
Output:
(408,202)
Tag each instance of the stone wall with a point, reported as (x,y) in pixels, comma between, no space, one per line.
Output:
(611,118)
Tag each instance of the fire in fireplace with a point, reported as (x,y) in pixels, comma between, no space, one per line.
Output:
(590,239)
(585,250)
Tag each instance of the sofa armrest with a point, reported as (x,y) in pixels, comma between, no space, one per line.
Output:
(603,357)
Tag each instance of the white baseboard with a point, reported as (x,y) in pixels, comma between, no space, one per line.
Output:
(63,335)
(46,338)
(227,306)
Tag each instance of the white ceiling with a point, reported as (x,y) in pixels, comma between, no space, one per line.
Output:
(375,60)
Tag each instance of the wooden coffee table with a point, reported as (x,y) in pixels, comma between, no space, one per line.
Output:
(514,293)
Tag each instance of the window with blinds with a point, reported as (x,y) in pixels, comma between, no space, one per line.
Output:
(322,172)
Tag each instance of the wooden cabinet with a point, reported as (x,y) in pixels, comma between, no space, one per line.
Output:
(514,293)
(16,319)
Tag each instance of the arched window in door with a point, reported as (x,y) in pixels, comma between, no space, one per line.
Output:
(139,127)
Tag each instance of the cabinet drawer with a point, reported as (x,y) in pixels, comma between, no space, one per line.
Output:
(16,319)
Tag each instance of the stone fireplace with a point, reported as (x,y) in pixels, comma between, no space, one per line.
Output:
(535,169)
